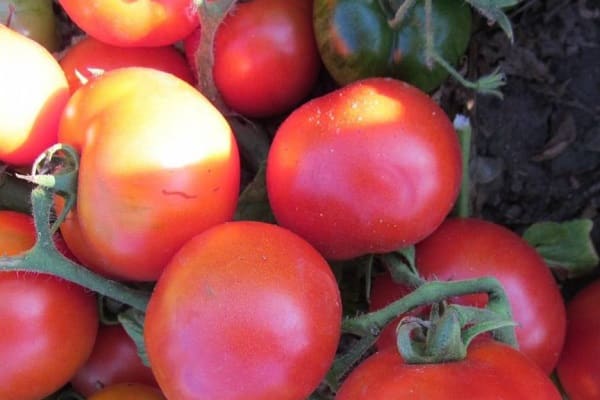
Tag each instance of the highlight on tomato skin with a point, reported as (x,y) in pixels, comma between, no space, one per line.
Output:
(140,23)
(34,94)
(159,164)
(369,168)
(89,58)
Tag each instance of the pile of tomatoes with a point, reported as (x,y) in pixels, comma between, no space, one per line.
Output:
(244,304)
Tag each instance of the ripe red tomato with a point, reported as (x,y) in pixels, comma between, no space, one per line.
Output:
(34,94)
(369,168)
(578,368)
(245,310)
(89,58)
(492,370)
(159,164)
(114,360)
(41,346)
(266,57)
(140,23)
(128,391)
(473,248)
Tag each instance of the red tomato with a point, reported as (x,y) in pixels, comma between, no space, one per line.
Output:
(369,168)
(89,58)
(48,325)
(159,164)
(245,310)
(579,365)
(492,370)
(139,23)
(472,248)
(128,391)
(114,360)
(266,57)
(34,94)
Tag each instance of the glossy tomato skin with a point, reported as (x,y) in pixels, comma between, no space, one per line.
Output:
(114,360)
(48,325)
(266,57)
(89,58)
(368,168)
(578,368)
(32,18)
(34,94)
(128,391)
(159,164)
(245,310)
(491,370)
(356,41)
(473,248)
(141,23)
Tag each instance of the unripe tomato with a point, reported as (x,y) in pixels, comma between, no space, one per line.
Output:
(159,164)
(32,18)
(34,93)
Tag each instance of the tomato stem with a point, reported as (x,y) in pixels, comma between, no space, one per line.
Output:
(15,194)
(45,258)
(462,125)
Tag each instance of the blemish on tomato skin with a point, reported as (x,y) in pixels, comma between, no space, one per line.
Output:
(178,193)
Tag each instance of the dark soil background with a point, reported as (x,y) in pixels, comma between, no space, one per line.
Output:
(536,153)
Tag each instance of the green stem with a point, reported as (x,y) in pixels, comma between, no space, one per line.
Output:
(435,292)
(462,126)
(15,194)
(400,271)
(400,13)
(44,258)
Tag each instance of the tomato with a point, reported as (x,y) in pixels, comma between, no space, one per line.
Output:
(34,94)
(88,58)
(32,18)
(246,310)
(266,58)
(128,391)
(491,370)
(140,23)
(114,360)
(473,248)
(356,40)
(368,168)
(159,164)
(41,346)
(578,368)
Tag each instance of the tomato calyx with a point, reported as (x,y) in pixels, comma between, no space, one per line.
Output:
(446,335)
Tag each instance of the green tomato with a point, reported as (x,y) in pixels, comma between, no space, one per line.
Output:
(356,41)
(32,18)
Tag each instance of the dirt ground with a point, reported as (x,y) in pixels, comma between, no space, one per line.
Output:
(537,152)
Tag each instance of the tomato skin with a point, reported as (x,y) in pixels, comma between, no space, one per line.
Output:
(355,40)
(159,164)
(89,57)
(38,313)
(34,94)
(492,370)
(369,168)
(128,391)
(263,299)
(32,18)
(140,23)
(578,368)
(473,248)
(114,360)
(266,58)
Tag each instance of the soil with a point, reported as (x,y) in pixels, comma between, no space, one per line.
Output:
(536,153)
